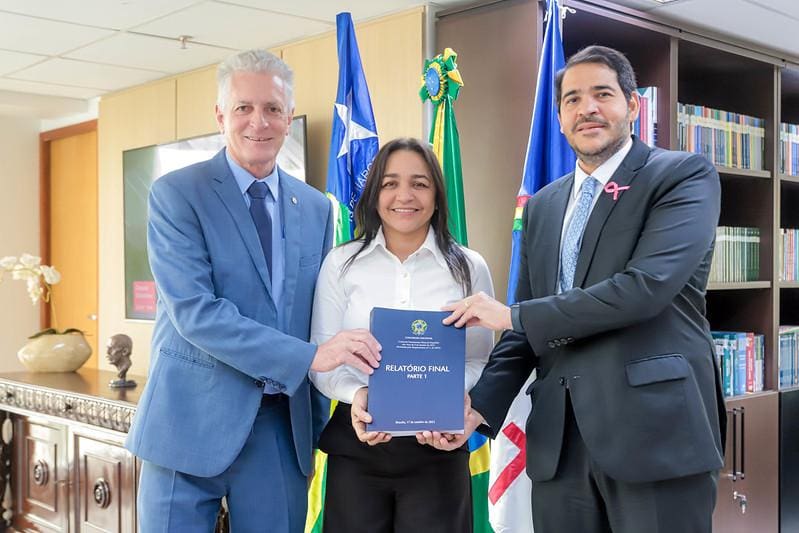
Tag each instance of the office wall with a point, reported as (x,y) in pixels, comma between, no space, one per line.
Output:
(19,230)
(498,53)
(182,106)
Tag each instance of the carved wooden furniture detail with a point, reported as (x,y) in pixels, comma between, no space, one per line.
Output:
(63,467)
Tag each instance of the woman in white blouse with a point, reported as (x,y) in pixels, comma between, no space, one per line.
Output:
(404,258)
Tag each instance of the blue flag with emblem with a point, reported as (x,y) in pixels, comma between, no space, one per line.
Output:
(353,142)
(549,155)
(353,146)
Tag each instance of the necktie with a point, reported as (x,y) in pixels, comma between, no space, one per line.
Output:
(574,234)
(263,222)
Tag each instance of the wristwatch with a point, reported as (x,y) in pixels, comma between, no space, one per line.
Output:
(515,319)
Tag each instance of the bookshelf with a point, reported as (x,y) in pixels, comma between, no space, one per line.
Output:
(787,296)
(743,285)
(742,172)
(688,68)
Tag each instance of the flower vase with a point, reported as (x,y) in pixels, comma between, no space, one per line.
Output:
(64,352)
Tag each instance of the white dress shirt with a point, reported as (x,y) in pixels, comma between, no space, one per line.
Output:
(377,278)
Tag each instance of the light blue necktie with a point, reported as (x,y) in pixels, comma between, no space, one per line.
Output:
(574,233)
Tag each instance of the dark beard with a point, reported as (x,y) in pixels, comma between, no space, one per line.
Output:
(595,159)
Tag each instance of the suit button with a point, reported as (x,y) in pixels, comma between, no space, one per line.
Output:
(562,381)
(260,384)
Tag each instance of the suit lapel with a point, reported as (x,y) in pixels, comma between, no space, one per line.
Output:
(550,247)
(623,176)
(226,187)
(291,206)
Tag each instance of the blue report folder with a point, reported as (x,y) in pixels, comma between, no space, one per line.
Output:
(419,384)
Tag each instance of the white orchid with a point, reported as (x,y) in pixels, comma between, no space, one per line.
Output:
(19,271)
(38,277)
(30,261)
(51,275)
(35,290)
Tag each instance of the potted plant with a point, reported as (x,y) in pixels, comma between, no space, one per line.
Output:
(49,350)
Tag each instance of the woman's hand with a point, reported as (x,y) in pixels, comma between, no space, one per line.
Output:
(361,417)
(452,441)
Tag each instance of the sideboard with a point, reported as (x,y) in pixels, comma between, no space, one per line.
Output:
(62,464)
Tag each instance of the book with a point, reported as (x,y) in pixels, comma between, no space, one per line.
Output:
(419,384)
(740,359)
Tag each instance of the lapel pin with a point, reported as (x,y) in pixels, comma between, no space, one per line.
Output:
(613,188)
(294,200)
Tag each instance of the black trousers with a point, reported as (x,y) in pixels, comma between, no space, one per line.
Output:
(581,498)
(396,487)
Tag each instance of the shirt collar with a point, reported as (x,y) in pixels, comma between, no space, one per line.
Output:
(244,179)
(603,172)
(429,244)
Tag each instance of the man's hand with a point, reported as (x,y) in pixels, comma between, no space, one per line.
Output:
(479,310)
(453,441)
(355,347)
(360,417)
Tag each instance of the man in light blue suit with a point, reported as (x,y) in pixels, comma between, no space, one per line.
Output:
(235,245)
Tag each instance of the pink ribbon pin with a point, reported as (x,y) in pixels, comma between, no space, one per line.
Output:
(613,188)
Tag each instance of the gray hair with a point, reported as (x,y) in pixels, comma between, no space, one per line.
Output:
(253,61)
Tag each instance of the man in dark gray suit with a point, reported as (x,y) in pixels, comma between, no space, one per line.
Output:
(625,432)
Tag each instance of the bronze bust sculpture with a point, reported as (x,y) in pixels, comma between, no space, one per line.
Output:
(120,347)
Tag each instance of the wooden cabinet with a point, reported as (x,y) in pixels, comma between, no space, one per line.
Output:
(105,489)
(41,475)
(71,478)
(63,465)
(62,436)
(749,482)
(789,461)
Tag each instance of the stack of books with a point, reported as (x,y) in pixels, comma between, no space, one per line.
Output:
(645,127)
(788,360)
(789,149)
(789,266)
(737,255)
(740,358)
(725,138)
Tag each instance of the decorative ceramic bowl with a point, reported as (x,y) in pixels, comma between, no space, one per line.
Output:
(55,353)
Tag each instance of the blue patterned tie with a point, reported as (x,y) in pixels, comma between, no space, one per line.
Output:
(574,234)
(263,222)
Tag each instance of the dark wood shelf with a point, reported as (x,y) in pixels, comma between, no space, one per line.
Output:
(743,172)
(757,394)
(741,285)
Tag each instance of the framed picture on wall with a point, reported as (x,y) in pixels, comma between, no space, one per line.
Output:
(142,166)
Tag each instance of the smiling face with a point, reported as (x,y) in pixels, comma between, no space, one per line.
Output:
(594,114)
(255,120)
(406,202)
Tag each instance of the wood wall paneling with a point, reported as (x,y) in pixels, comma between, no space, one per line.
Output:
(392,51)
(138,117)
(497,48)
(392,56)
(194,105)
(315,75)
